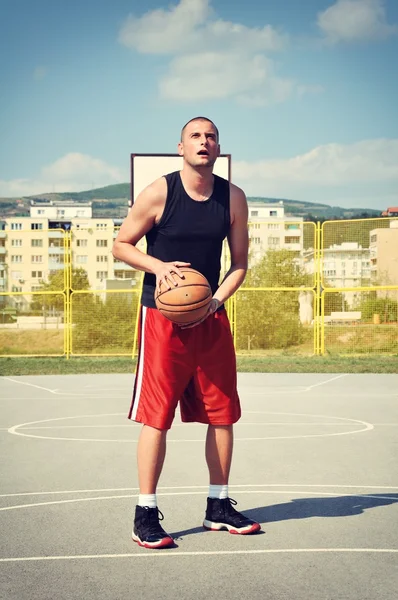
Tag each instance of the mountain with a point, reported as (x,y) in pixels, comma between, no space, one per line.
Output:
(112,201)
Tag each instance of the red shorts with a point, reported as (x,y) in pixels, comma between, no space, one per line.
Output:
(196,367)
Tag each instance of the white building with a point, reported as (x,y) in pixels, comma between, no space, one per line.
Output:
(345,265)
(60,211)
(269,228)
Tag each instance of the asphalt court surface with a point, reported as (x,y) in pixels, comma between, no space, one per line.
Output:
(315,461)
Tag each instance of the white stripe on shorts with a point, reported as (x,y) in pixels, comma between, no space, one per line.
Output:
(140,369)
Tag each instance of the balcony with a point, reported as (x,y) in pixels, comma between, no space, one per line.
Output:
(56,250)
(55,234)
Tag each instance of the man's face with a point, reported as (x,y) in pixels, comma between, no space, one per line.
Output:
(199,145)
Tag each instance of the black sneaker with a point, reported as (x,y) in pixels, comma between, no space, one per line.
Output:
(220,514)
(147,531)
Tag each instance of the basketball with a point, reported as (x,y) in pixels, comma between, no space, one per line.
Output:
(186,302)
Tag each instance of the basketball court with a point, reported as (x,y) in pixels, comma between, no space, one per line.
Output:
(315,462)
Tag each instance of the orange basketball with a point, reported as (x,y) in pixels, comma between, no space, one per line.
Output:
(186,302)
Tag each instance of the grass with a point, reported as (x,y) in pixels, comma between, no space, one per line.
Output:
(13,366)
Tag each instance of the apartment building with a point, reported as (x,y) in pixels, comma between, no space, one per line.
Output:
(34,248)
(384,254)
(345,265)
(269,228)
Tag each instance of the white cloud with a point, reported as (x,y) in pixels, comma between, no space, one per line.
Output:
(188,26)
(361,174)
(213,75)
(165,31)
(71,173)
(213,58)
(355,20)
(332,168)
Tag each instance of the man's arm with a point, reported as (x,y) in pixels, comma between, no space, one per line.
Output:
(238,240)
(144,214)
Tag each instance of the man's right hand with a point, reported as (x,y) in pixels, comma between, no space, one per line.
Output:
(166,274)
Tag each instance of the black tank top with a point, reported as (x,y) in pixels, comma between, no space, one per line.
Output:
(190,231)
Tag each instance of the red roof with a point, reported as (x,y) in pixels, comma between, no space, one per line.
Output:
(392,209)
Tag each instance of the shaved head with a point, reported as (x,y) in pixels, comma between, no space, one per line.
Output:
(200,119)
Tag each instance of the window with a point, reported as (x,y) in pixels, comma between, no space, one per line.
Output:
(81,243)
(40,211)
(36,288)
(254,213)
(373,238)
(37,258)
(102,258)
(37,243)
(273,225)
(290,239)
(273,241)
(36,226)
(16,288)
(16,243)
(56,258)
(16,226)
(81,259)
(16,258)
(56,243)
(16,274)
(101,226)
(102,243)
(273,213)
(37,274)
(102,274)
(2,274)
(256,240)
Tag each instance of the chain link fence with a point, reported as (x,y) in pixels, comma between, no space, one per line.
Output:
(310,289)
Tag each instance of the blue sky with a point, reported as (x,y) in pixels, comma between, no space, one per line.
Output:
(304,93)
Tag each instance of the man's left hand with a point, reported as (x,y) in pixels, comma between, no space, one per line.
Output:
(213,306)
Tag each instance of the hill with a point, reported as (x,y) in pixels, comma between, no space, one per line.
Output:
(112,201)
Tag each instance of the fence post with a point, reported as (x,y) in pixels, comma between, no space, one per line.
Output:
(68,284)
(318,289)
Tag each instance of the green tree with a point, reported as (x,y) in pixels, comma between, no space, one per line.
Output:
(386,308)
(270,318)
(57,284)
(104,326)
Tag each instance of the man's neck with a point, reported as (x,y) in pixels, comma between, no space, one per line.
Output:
(201,179)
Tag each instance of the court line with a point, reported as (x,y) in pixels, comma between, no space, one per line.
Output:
(310,387)
(18,429)
(240,424)
(39,387)
(205,487)
(166,553)
(191,493)
(55,391)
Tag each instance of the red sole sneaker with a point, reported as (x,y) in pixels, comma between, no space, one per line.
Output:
(163,543)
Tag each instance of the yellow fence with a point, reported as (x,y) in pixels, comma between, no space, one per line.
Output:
(311,289)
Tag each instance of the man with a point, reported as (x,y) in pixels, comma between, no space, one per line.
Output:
(185,217)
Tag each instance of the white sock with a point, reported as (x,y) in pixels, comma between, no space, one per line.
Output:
(148,500)
(218,491)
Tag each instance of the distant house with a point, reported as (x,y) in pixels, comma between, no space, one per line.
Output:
(392,211)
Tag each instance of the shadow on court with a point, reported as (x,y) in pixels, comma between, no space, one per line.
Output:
(306,508)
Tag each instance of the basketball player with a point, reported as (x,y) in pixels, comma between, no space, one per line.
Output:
(185,217)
